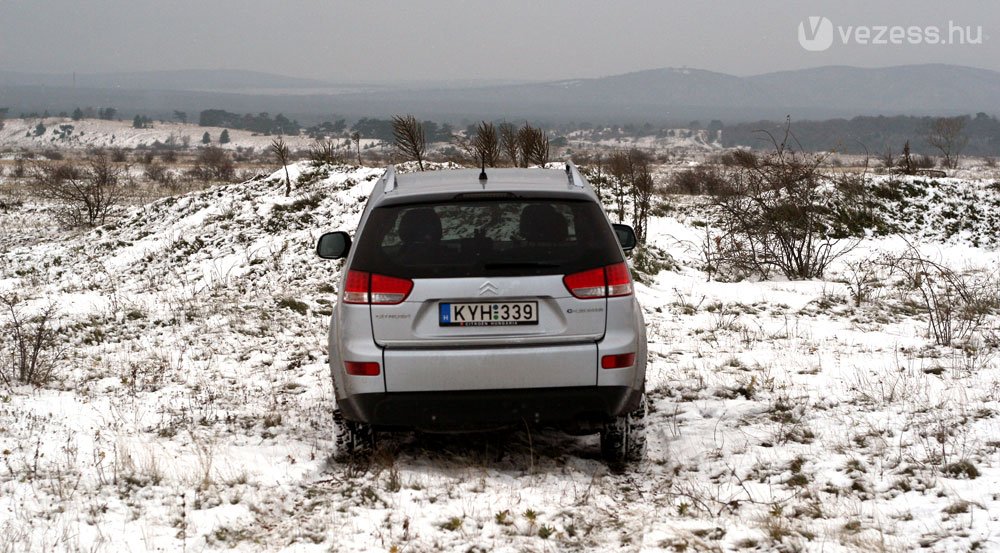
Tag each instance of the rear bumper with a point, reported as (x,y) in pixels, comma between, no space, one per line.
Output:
(581,408)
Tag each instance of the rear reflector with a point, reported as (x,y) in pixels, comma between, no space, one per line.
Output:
(361,368)
(602,282)
(368,288)
(619,361)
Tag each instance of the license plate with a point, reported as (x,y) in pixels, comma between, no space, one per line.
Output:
(488,314)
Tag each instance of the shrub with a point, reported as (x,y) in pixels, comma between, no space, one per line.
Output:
(703,179)
(411,143)
(533,144)
(780,212)
(87,196)
(29,344)
(325,152)
(924,162)
(956,304)
(213,164)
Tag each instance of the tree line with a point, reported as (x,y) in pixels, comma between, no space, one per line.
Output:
(976,135)
(260,123)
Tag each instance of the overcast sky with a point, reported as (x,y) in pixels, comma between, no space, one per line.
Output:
(384,41)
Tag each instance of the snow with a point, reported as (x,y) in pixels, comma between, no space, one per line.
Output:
(191,410)
(100,133)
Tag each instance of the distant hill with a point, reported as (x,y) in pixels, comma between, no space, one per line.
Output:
(682,94)
(674,95)
(909,89)
(191,79)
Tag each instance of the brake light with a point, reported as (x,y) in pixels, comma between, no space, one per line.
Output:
(368,288)
(356,287)
(603,282)
(619,361)
(619,280)
(588,284)
(361,368)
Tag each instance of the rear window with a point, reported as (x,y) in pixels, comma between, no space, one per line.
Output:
(486,238)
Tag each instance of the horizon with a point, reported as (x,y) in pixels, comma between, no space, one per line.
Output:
(518,81)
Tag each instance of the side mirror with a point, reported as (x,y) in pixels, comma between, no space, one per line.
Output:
(333,245)
(626,236)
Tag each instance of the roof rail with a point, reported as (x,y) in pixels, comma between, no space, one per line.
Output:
(573,174)
(390,179)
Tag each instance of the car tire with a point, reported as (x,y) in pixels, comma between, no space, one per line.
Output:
(623,440)
(353,440)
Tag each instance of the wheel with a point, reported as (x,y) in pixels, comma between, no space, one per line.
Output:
(353,440)
(623,440)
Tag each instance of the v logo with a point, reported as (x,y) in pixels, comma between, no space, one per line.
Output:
(816,33)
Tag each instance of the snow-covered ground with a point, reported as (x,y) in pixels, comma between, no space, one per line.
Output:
(64,133)
(191,407)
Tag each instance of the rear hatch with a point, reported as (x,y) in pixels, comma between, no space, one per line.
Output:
(483,274)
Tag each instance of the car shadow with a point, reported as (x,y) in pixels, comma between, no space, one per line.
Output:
(514,451)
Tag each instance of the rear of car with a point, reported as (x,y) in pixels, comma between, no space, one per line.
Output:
(475,310)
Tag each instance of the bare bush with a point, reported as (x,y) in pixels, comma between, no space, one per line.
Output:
(280,151)
(533,145)
(88,195)
(508,142)
(631,184)
(408,134)
(621,170)
(29,343)
(356,138)
(325,152)
(154,171)
(642,199)
(19,170)
(864,276)
(213,164)
(784,214)
(906,164)
(734,158)
(947,135)
(703,179)
(486,145)
(888,157)
(118,155)
(956,304)
(924,162)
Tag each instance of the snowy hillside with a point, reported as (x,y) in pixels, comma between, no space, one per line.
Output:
(64,133)
(191,407)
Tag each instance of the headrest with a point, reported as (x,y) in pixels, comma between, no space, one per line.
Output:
(542,223)
(420,225)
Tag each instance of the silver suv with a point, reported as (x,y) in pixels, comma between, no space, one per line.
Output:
(473,301)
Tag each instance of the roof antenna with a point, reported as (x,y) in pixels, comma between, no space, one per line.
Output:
(482,173)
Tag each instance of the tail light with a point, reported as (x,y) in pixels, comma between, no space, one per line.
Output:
(619,361)
(603,282)
(356,287)
(361,368)
(369,288)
